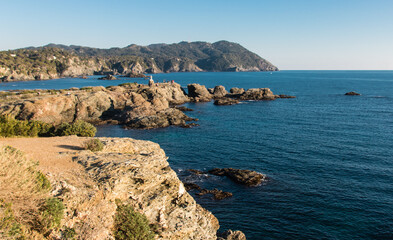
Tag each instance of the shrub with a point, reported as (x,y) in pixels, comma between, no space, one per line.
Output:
(10,127)
(131,225)
(79,128)
(94,145)
(52,211)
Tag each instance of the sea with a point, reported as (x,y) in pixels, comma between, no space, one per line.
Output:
(328,157)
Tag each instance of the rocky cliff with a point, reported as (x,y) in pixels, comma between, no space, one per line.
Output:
(135,172)
(54,61)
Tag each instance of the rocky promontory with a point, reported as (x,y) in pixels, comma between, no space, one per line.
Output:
(90,184)
(132,105)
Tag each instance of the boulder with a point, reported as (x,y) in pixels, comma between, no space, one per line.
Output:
(219,91)
(226,101)
(199,93)
(236,90)
(245,177)
(352,94)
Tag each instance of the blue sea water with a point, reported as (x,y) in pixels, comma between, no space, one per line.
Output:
(328,157)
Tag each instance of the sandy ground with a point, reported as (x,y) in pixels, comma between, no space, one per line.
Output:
(54,154)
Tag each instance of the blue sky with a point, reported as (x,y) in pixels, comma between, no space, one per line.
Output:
(292,34)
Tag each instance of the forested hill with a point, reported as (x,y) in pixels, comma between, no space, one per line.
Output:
(54,60)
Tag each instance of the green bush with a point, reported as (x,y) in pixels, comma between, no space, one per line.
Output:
(94,145)
(79,128)
(10,127)
(131,225)
(52,211)
(9,226)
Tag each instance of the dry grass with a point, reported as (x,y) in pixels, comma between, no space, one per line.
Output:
(21,193)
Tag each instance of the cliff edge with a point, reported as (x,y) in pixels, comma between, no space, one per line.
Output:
(131,171)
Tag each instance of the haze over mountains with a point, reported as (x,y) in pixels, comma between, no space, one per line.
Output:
(54,60)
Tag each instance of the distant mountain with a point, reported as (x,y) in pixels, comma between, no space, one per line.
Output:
(55,60)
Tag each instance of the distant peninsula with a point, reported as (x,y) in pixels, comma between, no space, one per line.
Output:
(56,61)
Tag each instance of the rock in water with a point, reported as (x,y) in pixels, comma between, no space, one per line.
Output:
(258,94)
(108,77)
(231,235)
(226,101)
(246,177)
(199,93)
(219,92)
(352,94)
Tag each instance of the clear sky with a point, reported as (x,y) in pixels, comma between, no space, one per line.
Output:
(292,34)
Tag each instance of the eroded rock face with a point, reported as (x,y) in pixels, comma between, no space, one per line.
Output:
(137,173)
(199,93)
(246,177)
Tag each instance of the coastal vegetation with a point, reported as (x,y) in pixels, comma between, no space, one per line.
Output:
(131,225)
(94,145)
(11,127)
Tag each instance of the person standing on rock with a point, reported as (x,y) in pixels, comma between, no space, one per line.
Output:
(151,81)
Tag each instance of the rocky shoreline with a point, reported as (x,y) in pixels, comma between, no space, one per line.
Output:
(132,105)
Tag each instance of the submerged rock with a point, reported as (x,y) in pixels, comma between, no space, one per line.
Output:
(231,235)
(245,177)
(218,194)
(352,94)
(226,101)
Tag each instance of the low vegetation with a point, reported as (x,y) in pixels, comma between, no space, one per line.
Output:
(11,127)
(26,209)
(94,145)
(131,225)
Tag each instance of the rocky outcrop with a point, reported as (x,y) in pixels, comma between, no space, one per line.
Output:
(108,77)
(134,105)
(199,93)
(219,91)
(245,177)
(138,174)
(352,94)
(258,94)
(134,75)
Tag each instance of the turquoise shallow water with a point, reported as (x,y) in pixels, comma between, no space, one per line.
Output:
(328,156)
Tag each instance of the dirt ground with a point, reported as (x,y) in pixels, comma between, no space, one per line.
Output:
(54,154)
